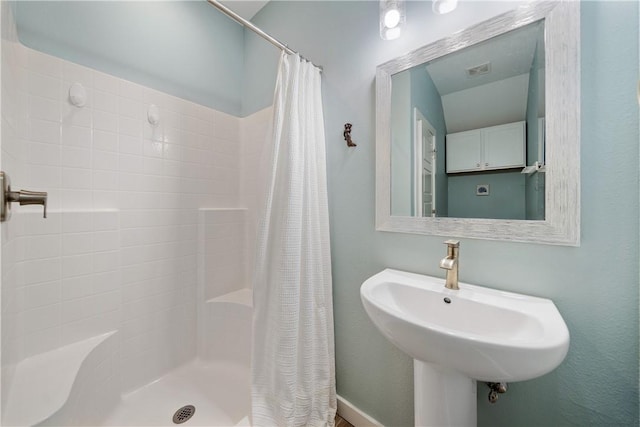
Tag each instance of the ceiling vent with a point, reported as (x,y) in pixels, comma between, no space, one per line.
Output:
(479,70)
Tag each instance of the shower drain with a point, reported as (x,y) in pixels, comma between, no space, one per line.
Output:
(183,414)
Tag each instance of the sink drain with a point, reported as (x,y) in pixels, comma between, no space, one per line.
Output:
(183,414)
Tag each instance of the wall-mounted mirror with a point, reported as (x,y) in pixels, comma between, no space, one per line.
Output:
(464,131)
(478,133)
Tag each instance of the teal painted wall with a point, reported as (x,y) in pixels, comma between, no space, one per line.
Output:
(184,48)
(425,96)
(414,88)
(401,147)
(534,184)
(506,199)
(598,382)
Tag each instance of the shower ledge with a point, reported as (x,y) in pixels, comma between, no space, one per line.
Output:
(242,296)
(43,383)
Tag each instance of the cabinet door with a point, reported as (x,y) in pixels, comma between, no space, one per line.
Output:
(504,146)
(463,151)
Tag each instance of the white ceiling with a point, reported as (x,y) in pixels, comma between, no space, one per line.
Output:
(245,8)
(510,55)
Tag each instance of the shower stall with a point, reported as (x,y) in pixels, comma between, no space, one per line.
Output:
(130,304)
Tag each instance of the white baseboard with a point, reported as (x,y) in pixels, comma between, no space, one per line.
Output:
(354,415)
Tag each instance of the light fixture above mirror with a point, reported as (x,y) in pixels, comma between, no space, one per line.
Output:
(392,18)
(444,6)
(559,222)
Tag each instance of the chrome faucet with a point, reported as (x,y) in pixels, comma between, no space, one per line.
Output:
(450,263)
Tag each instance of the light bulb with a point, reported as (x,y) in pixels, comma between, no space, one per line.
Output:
(444,6)
(391,18)
(392,33)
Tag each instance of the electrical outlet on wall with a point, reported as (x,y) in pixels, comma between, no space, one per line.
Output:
(482,190)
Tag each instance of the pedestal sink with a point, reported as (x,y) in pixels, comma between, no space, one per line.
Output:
(457,337)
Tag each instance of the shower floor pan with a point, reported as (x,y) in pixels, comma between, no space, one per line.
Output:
(219,392)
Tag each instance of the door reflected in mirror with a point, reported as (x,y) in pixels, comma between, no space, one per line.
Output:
(474,117)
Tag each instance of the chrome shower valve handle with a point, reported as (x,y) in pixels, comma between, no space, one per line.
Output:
(24,197)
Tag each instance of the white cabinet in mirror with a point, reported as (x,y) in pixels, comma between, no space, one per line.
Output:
(478,109)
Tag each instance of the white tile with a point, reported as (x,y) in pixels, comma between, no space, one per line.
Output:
(43,63)
(44,178)
(105,141)
(153,148)
(88,327)
(75,199)
(35,225)
(75,73)
(105,281)
(192,124)
(129,145)
(43,246)
(226,126)
(41,341)
(76,136)
(74,222)
(76,265)
(43,108)
(74,310)
(173,135)
(76,116)
(106,261)
(128,126)
(105,180)
(43,85)
(105,199)
(105,121)
(105,101)
(77,243)
(43,154)
(153,133)
(129,163)
(172,152)
(75,157)
(44,131)
(130,108)
(39,295)
(40,270)
(105,221)
(130,90)
(171,119)
(40,318)
(77,287)
(76,178)
(105,82)
(152,166)
(104,160)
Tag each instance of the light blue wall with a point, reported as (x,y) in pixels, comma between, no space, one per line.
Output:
(401,147)
(506,199)
(414,88)
(595,286)
(184,48)
(534,183)
(425,96)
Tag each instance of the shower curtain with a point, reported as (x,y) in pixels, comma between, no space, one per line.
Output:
(293,368)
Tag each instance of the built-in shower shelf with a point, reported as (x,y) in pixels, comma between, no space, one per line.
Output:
(42,384)
(242,296)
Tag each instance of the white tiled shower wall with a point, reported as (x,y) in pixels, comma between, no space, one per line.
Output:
(119,249)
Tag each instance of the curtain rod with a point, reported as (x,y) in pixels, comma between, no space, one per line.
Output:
(240,20)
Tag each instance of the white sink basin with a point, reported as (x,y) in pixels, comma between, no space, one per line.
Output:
(482,333)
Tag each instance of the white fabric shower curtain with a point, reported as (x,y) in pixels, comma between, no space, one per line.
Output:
(293,367)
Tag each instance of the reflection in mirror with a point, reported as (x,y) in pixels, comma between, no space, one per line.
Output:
(467,131)
(549,189)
